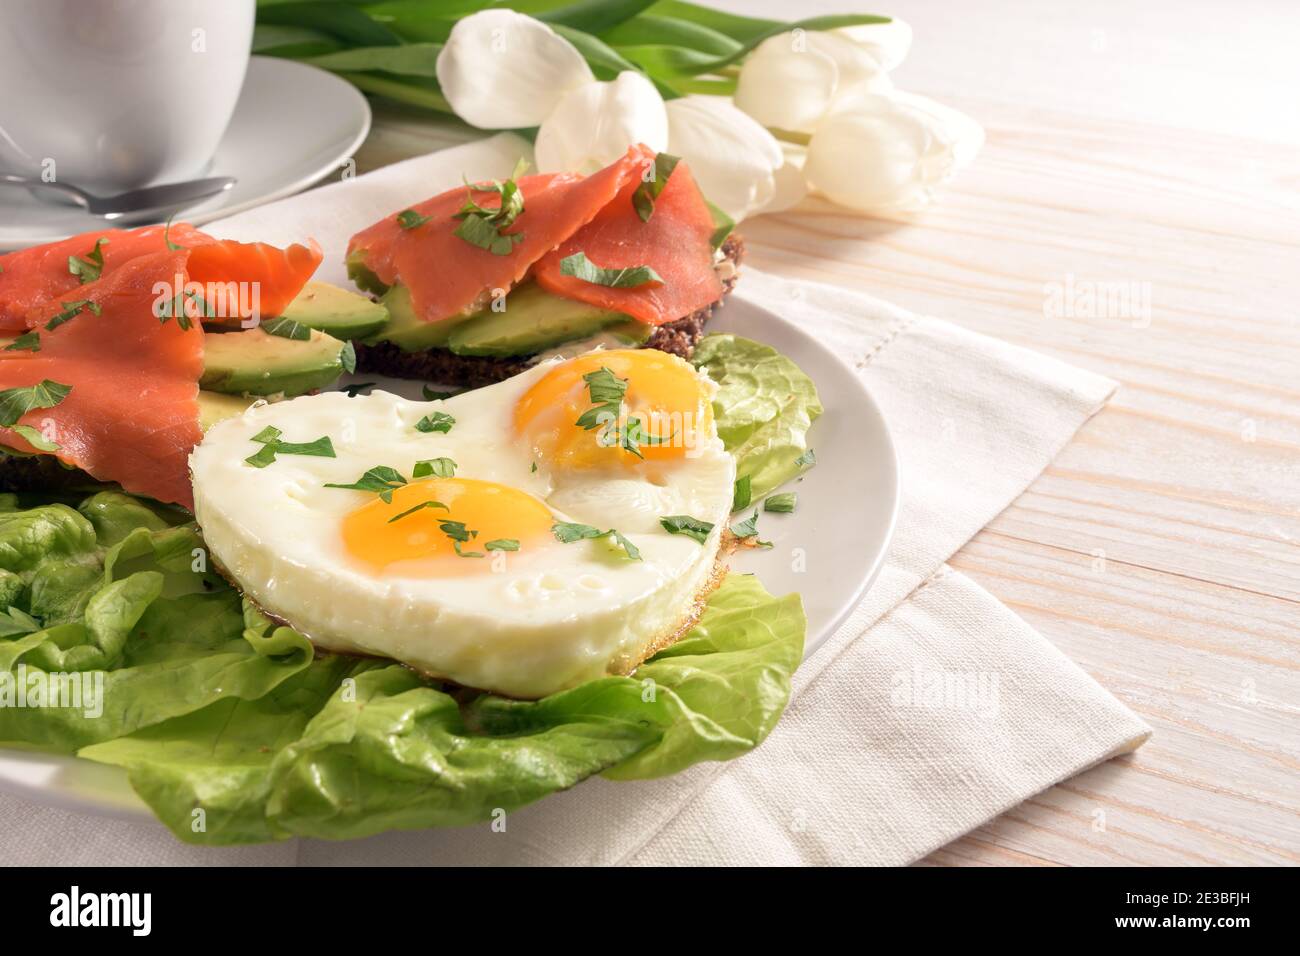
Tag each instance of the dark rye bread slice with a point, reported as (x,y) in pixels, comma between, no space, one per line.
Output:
(468,371)
(45,474)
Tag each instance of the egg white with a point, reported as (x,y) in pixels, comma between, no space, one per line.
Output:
(528,624)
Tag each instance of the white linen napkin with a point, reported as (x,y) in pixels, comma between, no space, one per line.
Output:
(930,711)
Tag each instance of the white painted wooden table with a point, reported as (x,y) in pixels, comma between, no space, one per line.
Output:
(1150,152)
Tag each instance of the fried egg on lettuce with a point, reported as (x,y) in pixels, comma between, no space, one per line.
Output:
(509,539)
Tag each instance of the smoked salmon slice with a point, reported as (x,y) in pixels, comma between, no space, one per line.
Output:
(30,277)
(676,242)
(448,275)
(132,414)
(276,274)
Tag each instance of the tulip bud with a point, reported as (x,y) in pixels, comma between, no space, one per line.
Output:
(792,80)
(734,159)
(884,153)
(502,70)
(594,124)
(887,43)
(791,184)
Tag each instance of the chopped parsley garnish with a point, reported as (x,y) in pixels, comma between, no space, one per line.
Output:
(566,532)
(631,437)
(435,467)
(607,391)
(348,357)
(458,532)
(741,495)
(89,267)
(71,310)
(483,226)
(459,535)
(17,402)
(632,551)
(431,396)
(176,306)
(381,479)
(807,459)
(355,388)
(749,529)
(287,329)
(685,524)
(722,226)
(437,422)
(35,438)
(534,468)
(420,507)
(628,277)
(643,200)
(480,232)
(269,438)
(27,342)
(410,219)
(167,237)
(780,504)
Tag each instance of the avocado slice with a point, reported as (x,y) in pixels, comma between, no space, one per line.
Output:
(630,332)
(252,362)
(406,330)
(343,314)
(532,321)
(360,273)
(215,407)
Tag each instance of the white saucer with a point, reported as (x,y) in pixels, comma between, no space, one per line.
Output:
(293,125)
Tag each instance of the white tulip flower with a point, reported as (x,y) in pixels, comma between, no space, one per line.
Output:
(964,133)
(734,159)
(791,184)
(502,70)
(888,153)
(595,124)
(887,43)
(792,80)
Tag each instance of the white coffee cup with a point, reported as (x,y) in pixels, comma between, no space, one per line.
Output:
(111,95)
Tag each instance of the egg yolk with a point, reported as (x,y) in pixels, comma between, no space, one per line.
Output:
(663,394)
(495,512)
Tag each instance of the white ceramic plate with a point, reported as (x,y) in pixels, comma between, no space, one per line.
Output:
(294,124)
(847,503)
(829,550)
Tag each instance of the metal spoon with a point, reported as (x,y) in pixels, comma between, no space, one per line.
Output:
(133,204)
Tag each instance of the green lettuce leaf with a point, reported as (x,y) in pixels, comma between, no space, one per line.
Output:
(207,774)
(115,590)
(350,748)
(30,537)
(728,679)
(764,408)
(403,755)
(114,515)
(234,732)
